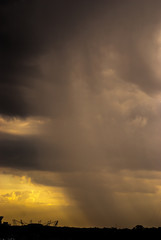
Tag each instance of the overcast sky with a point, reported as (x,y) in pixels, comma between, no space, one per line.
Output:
(80,111)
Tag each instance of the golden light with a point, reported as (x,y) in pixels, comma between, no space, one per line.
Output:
(20,198)
(21,191)
(21,126)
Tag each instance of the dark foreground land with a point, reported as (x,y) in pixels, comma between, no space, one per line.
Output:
(37,231)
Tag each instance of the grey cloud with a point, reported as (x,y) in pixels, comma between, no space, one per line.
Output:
(89,67)
(17,152)
(78,33)
(28,31)
(27,153)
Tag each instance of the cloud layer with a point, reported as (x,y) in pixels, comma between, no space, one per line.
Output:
(90,71)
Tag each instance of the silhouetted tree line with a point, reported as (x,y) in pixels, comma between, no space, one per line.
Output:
(40,232)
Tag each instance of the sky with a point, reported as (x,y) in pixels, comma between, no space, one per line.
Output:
(80,112)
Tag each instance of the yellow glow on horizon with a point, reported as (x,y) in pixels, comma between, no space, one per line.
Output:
(21,191)
(20,198)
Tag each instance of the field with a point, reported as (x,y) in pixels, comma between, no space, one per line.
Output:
(37,231)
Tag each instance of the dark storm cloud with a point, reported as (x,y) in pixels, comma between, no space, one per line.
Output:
(27,153)
(17,152)
(92,68)
(17,49)
(30,29)
(46,46)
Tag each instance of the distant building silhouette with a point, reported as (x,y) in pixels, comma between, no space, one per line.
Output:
(1,217)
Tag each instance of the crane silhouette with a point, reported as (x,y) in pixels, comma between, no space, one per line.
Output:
(55,223)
